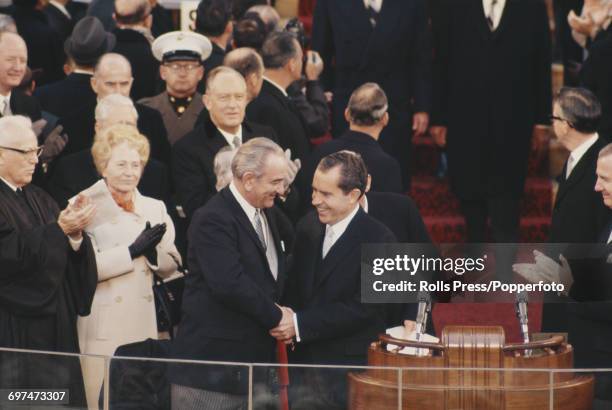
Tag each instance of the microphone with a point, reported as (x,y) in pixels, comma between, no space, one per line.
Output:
(521,312)
(424,300)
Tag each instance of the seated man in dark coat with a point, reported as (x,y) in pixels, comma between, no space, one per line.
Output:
(193,155)
(13,101)
(113,75)
(65,183)
(48,273)
(134,38)
(88,42)
(367,116)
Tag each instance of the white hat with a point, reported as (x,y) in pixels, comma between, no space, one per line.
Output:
(181,45)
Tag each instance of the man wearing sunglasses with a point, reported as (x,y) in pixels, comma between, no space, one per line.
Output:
(48,273)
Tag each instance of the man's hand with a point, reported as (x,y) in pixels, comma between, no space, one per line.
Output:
(293,167)
(420,122)
(38,126)
(314,65)
(74,218)
(285,330)
(438,133)
(547,270)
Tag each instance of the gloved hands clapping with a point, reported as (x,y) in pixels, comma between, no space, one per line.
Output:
(146,242)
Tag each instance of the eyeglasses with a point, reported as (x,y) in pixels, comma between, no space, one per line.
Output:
(555,118)
(36,151)
(183,67)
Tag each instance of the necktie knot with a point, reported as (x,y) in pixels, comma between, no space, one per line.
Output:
(328,240)
(236,142)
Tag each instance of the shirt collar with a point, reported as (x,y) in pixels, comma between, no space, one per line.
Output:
(365,203)
(248,209)
(6,97)
(13,187)
(230,137)
(81,71)
(339,227)
(282,90)
(581,149)
(61,8)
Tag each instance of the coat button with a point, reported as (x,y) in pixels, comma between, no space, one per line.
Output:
(118,299)
(149,298)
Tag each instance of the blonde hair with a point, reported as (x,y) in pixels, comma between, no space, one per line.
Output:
(113,136)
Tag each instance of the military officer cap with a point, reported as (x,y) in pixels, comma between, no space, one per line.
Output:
(181,45)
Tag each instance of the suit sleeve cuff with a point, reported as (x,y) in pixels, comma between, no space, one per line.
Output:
(297,328)
(75,244)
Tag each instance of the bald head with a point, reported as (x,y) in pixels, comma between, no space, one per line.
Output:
(250,65)
(112,75)
(223,77)
(133,13)
(13,61)
(268,15)
(367,105)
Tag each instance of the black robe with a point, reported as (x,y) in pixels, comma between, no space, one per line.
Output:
(44,285)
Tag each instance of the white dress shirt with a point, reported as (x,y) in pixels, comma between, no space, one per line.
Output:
(230,137)
(498,10)
(338,229)
(375,4)
(250,212)
(578,153)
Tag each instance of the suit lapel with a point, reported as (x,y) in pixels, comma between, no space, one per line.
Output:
(387,18)
(478,16)
(247,225)
(343,246)
(577,173)
(214,139)
(507,16)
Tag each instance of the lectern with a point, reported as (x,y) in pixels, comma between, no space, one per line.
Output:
(444,381)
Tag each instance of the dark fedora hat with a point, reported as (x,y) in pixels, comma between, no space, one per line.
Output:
(88,41)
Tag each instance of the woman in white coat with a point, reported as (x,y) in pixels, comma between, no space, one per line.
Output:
(134,239)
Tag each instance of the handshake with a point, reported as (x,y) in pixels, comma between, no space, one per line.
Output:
(285,330)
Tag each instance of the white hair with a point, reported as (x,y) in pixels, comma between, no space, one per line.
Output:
(111,102)
(14,125)
(223,167)
(252,155)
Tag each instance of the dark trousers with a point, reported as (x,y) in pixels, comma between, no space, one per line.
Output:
(504,214)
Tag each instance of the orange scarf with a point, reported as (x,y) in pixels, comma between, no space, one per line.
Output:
(127,206)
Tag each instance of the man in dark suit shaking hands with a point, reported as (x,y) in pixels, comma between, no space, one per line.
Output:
(330,323)
(236,274)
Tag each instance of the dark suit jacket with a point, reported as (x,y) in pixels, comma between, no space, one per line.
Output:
(76,172)
(45,49)
(579,212)
(145,68)
(334,326)
(67,96)
(400,214)
(595,75)
(484,72)
(23,104)
(229,298)
(383,167)
(58,21)
(273,109)
(193,160)
(162,21)
(80,127)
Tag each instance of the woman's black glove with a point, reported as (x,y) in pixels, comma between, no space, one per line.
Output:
(146,242)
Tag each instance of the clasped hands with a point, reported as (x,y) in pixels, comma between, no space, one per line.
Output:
(285,330)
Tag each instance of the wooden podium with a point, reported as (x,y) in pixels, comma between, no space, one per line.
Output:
(477,348)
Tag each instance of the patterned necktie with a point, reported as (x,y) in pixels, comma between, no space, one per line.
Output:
(491,16)
(372,13)
(236,142)
(328,241)
(259,229)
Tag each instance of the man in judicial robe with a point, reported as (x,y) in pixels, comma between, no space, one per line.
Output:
(181,55)
(491,87)
(48,274)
